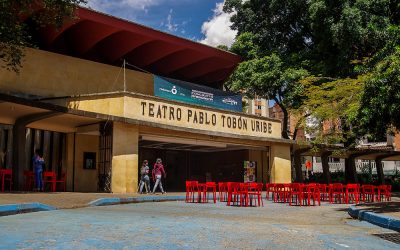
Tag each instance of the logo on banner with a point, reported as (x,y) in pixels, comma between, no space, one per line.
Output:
(230,101)
(196,94)
(174,91)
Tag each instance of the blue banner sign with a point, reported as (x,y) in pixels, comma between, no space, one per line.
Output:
(196,94)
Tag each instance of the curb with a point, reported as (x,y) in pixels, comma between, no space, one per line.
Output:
(376,219)
(12,209)
(116,201)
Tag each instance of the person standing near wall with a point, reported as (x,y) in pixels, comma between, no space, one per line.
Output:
(157,173)
(38,165)
(144,177)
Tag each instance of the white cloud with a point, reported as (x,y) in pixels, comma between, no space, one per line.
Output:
(123,8)
(171,26)
(217,30)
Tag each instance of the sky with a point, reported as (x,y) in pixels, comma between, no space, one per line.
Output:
(199,20)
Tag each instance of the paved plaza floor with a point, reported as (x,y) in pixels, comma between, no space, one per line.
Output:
(177,225)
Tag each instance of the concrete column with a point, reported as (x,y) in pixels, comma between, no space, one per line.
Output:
(379,171)
(124,173)
(19,159)
(325,167)
(281,170)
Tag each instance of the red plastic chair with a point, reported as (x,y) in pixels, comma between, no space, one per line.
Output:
(191,190)
(352,193)
(383,192)
(296,194)
(336,193)
(29,180)
(269,187)
(255,194)
(312,192)
(324,192)
(6,175)
(368,193)
(211,186)
(388,193)
(63,181)
(233,193)
(50,177)
(281,192)
(222,191)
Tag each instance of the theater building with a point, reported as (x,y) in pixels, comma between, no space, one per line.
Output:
(102,94)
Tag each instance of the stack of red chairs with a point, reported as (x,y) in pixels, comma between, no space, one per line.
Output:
(368,193)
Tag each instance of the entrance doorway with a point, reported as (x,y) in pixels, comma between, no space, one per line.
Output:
(189,159)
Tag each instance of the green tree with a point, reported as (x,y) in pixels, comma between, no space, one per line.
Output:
(335,103)
(279,27)
(269,78)
(380,107)
(344,32)
(15,30)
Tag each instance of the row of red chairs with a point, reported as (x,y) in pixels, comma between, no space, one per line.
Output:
(234,193)
(337,192)
(48,178)
(245,194)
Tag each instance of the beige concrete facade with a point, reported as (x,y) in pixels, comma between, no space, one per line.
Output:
(80,85)
(281,164)
(47,74)
(125,161)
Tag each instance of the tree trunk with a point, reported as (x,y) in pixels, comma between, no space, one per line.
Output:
(297,167)
(285,123)
(325,168)
(350,170)
(379,171)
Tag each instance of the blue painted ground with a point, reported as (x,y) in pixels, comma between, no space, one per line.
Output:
(177,225)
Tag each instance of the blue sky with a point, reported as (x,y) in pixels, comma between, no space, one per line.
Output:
(199,20)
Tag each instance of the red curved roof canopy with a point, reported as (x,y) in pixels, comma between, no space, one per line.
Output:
(103,38)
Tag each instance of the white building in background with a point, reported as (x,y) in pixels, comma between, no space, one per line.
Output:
(257,106)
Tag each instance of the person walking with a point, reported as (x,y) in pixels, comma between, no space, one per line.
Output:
(157,173)
(38,165)
(144,177)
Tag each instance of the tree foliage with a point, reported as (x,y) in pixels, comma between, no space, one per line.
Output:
(380,105)
(15,16)
(347,46)
(334,105)
(268,77)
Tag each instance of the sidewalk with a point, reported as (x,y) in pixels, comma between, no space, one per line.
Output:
(385,214)
(67,200)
